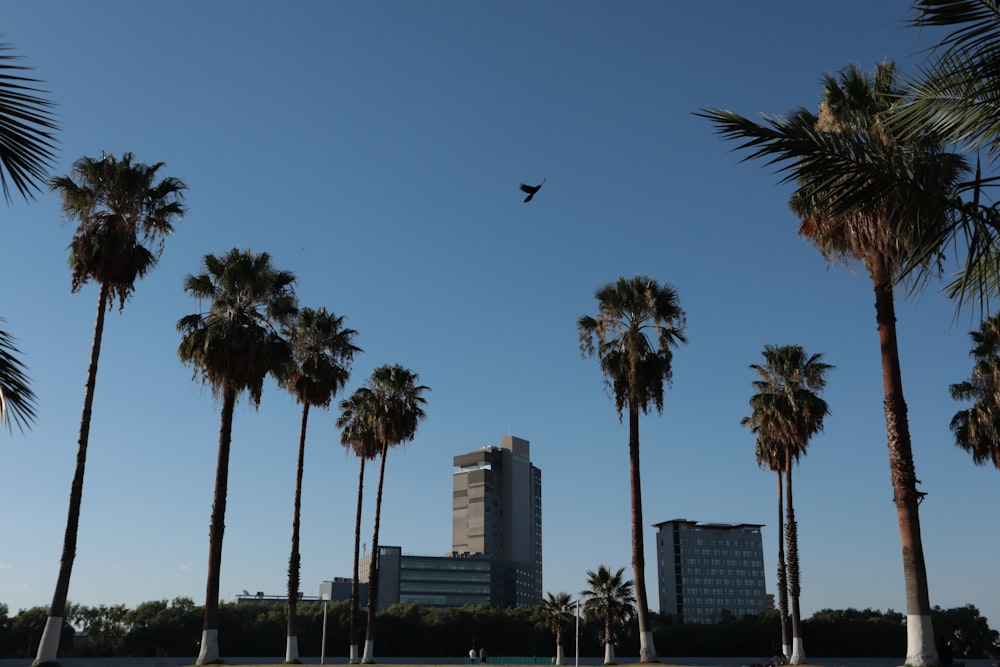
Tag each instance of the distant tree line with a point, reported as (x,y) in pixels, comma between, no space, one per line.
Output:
(165,628)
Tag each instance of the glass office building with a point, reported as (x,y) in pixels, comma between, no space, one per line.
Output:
(710,572)
(441,581)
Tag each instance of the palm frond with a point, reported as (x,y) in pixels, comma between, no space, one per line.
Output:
(27,127)
(978,22)
(17,401)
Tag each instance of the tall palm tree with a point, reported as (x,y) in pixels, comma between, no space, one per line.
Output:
(233,346)
(977,429)
(786,411)
(357,426)
(124,214)
(322,352)
(398,401)
(637,324)
(609,598)
(855,210)
(17,401)
(27,142)
(27,147)
(555,614)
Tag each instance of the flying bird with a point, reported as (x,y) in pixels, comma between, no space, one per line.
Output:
(531,190)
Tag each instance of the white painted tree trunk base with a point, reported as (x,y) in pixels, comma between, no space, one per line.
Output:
(292,649)
(786,650)
(48,648)
(559,655)
(353,659)
(209,651)
(609,654)
(920,650)
(369,655)
(647,650)
(798,652)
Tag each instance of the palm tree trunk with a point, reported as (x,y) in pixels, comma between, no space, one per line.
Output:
(609,641)
(292,641)
(353,659)
(647,651)
(369,655)
(920,649)
(786,645)
(798,651)
(559,646)
(209,652)
(48,647)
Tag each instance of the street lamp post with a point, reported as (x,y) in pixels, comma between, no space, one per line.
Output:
(578,633)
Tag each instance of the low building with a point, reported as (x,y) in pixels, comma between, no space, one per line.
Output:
(339,588)
(444,581)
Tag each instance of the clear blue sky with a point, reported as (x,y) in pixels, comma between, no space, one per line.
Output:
(375,149)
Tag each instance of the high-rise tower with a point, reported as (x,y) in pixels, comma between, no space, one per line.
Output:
(497,510)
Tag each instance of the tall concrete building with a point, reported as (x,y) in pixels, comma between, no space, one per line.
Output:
(497,511)
(709,570)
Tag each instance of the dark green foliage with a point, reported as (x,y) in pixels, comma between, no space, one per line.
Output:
(162,629)
(159,629)
(968,630)
(20,635)
(106,629)
(873,634)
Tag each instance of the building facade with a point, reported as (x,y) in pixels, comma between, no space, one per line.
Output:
(497,512)
(439,581)
(708,572)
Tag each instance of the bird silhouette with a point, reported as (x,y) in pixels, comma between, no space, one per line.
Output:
(531,190)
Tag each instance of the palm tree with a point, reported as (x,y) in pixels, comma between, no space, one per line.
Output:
(26,151)
(233,347)
(609,598)
(555,614)
(17,401)
(786,412)
(977,429)
(856,210)
(322,352)
(631,311)
(124,215)
(27,144)
(397,402)
(357,426)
